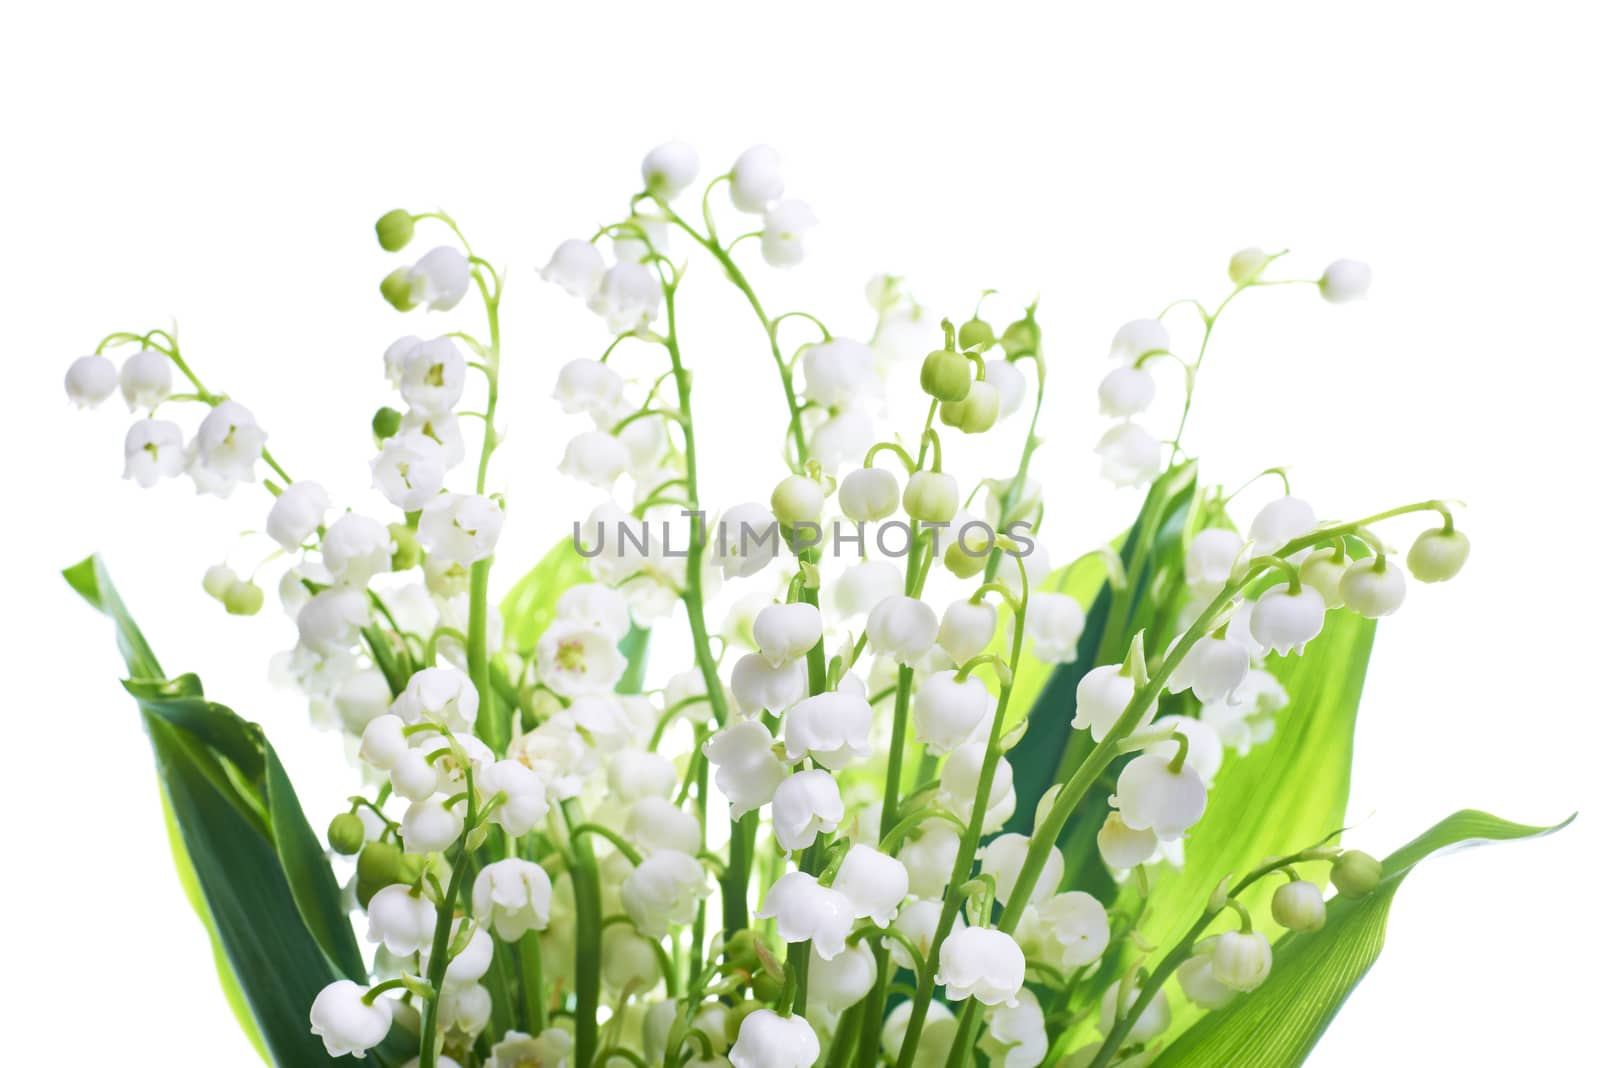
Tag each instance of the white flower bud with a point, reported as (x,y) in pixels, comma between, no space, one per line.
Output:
(797,499)
(1438,555)
(748,772)
(575,266)
(1246,265)
(785,632)
(383,741)
(1323,570)
(803,805)
(1241,960)
(1151,795)
(330,620)
(513,897)
(656,823)
(948,710)
(869,494)
(862,587)
(978,962)
(146,379)
(807,911)
(837,372)
(409,470)
(462,528)
(930,857)
(932,497)
(875,883)
(1129,455)
(1139,336)
(1008,383)
(1208,562)
(1003,858)
(357,547)
(218,580)
(746,541)
(1373,587)
(1078,924)
(784,230)
(767,1040)
(967,628)
(1016,1035)
(296,513)
(90,380)
(1282,620)
(433,375)
(830,728)
(627,297)
(1344,281)
(429,827)
(756,179)
(594,457)
(837,984)
(526,802)
(438,695)
(1126,391)
(663,891)
(1122,847)
(958,786)
(401,920)
(346,1023)
(588,386)
(1119,999)
(902,628)
(842,439)
(1213,668)
(1280,521)
(1298,905)
(413,776)
(669,169)
(627,959)
(1199,984)
(440,278)
(1055,622)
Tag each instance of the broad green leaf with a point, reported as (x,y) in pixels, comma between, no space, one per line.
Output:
(529,607)
(1277,1025)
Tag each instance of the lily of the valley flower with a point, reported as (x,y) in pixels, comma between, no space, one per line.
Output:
(874,882)
(296,513)
(807,911)
(345,1022)
(513,897)
(748,772)
(461,527)
(90,380)
(978,962)
(1151,795)
(768,1040)
(830,728)
(663,891)
(803,805)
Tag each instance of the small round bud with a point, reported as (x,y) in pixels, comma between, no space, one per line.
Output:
(347,834)
(961,562)
(765,987)
(395,229)
(379,864)
(975,334)
(243,599)
(1323,570)
(1438,555)
(396,289)
(1299,906)
(1344,281)
(797,499)
(1020,336)
(931,497)
(869,494)
(407,550)
(1373,588)
(1246,266)
(386,423)
(976,412)
(218,580)
(1356,874)
(946,376)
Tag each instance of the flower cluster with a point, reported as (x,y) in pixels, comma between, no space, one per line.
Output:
(560,863)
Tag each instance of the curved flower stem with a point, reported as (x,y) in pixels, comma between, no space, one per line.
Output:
(478,589)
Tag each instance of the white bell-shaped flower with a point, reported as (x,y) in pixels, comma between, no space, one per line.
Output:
(807,911)
(803,805)
(152,450)
(432,375)
(978,962)
(656,823)
(930,857)
(663,891)
(588,386)
(958,786)
(296,513)
(594,457)
(842,439)
(1129,455)
(746,540)
(90,380)
(513,897)
(1374,587)
(1283,621)
(573,660)
(1241,960)
(902,628)
(784,230)
(361,698)
(1197,981)
(526,802)
(1104,693)
(409,470)
(748,772)
(628,297)
(669,169)
(438,695)
(1344,281)
(345,1022)
(1122,847)
(756,180)
(869,494)
(401,920)
(1137,337)
(1016,1036)
(357,547)
(627,959)
(767,1040)
(836,984)
(1003,858)
(862,587)
(632,774)
(1280,521)
(1008,382)
(1208,562)
(874,882)
(383,741)
(329,622)
(836,372)
(575,266)
(1078,925)
(1213,668)
(228,444)
(146,379)
(758,685)
(948,710)
(461,527)
(440,278)
(830,728)
(1119,1000)
(1055,622)
(1126,391)
(430,826)
(918,922)
(413,776)
(1205,745)
(1324,570)
(967,628)
(785,632)
(552,1047)
(1151,795)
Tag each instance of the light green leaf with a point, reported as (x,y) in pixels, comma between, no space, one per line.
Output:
(1278,1024)
(530,605)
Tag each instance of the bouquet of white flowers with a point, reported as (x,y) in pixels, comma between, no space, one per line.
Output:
(921,798)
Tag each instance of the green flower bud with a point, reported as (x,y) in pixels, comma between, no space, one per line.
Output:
(379,864)
(931,497)
(243,599)
(797,499)
(396,289)
(975,334)
(975,413)
(1299,906)
(346,834)
(385,423)
(964,564)
(395,229)
(1356,874)
(1020,336)
(766,988)
(1438,555)
(407,551)
(218,580)
(946,375)
(1246,265)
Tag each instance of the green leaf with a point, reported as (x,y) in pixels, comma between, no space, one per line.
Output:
(529,607)
(1277,1025)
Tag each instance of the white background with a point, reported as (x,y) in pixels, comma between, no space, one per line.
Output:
(222,168)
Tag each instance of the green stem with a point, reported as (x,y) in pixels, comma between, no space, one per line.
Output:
(478,596)
(586,899)
(439,953)
(531,957)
